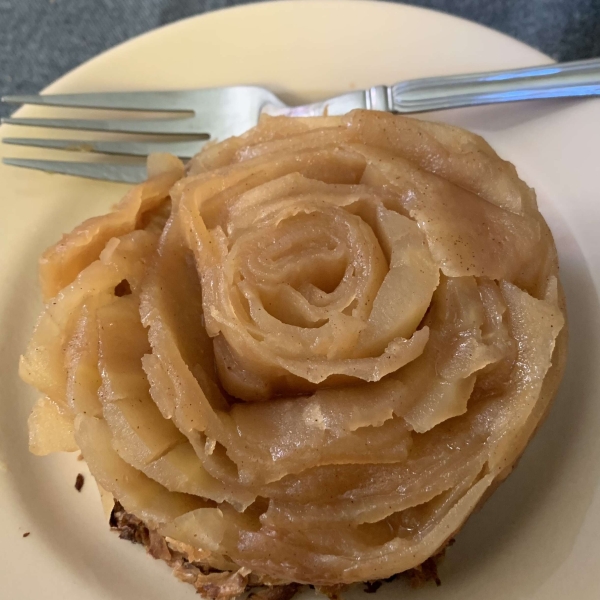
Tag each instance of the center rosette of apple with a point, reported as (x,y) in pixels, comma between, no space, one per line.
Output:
(311,285)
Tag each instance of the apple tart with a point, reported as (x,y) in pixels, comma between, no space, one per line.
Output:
(308,355)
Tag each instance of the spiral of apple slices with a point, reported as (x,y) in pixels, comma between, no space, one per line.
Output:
(313,354)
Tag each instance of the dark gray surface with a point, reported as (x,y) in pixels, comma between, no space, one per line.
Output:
(42,39)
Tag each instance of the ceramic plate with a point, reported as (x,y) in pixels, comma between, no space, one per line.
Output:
(538,538)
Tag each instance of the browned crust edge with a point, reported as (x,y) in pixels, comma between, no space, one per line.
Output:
(227,585)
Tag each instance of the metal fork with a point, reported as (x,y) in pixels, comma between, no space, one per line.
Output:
(218,113)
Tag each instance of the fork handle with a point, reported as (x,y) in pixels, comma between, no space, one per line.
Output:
(559,80)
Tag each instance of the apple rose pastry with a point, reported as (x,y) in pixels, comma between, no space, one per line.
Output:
(309,357)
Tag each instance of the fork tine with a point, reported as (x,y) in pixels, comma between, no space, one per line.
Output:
(186,126)
(154,101)
(181,149)
(104,171)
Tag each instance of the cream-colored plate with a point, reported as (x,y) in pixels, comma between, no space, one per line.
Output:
(539,536)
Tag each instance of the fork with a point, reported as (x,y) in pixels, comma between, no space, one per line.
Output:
(218,113)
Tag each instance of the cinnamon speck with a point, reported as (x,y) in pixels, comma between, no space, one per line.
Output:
(27,534)
(123,288)
(79,481)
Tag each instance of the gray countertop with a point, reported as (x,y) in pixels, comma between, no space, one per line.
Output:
(42,39)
